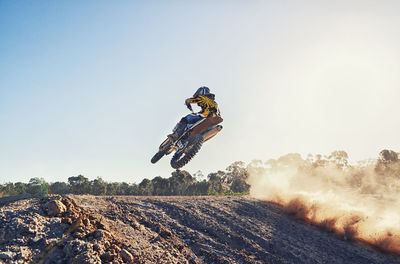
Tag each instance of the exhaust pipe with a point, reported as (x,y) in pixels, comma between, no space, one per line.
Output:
(212,132)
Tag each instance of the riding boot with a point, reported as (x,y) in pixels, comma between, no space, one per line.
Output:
(178,130)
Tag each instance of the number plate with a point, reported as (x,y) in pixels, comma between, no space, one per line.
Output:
(180,145)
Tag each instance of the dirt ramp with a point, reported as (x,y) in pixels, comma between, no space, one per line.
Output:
(89,229)
(226,230)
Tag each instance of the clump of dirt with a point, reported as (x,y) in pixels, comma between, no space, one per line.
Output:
(85,241)
(56,231)
(89,229)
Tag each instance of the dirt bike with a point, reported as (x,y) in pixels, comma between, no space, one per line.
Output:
(190,142)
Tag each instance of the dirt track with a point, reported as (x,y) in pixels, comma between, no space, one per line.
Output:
(169,230)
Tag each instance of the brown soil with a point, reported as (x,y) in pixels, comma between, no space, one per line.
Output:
(89,229)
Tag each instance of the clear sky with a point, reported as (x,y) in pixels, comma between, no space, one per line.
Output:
(93,87)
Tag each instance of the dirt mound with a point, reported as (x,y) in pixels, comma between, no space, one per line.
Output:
(56,231)
(87,229)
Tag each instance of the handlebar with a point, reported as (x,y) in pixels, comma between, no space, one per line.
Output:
(190,107)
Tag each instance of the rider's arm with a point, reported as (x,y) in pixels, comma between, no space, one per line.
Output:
(191,101)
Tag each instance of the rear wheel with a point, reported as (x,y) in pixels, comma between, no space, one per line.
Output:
(182,157)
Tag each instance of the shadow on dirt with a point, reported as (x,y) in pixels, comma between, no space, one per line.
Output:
(244,230)
(11,199)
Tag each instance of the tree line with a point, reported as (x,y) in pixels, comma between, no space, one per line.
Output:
(181,182)
(384,171)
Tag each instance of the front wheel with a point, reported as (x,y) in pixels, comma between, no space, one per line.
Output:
(164,148)
(183,156)
(157,157)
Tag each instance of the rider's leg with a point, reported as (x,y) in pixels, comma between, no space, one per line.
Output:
(178,129)
(193,118)
(181,126)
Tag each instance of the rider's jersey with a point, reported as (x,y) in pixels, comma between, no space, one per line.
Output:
(208,105)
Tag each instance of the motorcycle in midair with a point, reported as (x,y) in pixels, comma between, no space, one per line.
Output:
(190,142)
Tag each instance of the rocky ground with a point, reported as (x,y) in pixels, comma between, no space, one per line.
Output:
(89,229)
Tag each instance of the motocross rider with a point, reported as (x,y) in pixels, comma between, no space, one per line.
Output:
(203,98)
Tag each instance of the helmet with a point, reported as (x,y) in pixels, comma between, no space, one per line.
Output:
(202,91)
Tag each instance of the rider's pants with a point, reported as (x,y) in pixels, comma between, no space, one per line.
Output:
(192,118)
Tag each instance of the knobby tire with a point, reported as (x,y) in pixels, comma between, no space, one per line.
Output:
(161,153)
(178,161)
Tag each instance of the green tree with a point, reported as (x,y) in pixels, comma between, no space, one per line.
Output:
(38,186)
(59,188)
(133,189)
(20,188)
(216,182)
(388,156)
(146,187)
(236,177)
(79,184)
(8,189)
(98,186)
(179,182)
(123,188)
(160,186)
(387,168)
(198,188)
(113,188)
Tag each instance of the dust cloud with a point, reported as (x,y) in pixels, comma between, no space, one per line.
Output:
(356,201)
